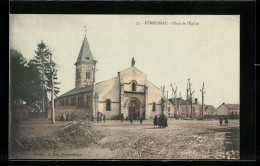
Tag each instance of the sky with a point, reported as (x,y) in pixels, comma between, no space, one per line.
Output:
(169,49)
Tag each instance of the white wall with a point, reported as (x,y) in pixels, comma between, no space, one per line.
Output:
(108,90)
(132,73)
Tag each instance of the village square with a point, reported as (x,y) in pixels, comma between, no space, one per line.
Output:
(123,117)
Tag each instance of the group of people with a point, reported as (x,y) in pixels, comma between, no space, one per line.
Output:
(161,121)
(68,117)
(101,116)
(225,119)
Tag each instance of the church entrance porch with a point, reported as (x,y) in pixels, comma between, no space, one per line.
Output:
(134,110)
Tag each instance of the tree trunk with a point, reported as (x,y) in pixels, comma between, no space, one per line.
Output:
(52,102)
(191,108)
(202,107)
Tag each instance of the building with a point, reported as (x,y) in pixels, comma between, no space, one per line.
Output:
(185,108)
(231,110)
(129,93)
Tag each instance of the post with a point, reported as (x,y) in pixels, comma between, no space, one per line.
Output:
(202,95)
(191,98)
(187,98)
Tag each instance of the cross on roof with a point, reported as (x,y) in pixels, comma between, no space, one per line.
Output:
(85,30)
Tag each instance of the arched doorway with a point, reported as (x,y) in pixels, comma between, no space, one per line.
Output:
(134,109)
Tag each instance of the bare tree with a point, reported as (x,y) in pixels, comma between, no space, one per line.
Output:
(202,95)
(174,93)
(191,93)
(187,99)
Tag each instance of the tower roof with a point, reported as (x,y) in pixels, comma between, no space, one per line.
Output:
(85,54)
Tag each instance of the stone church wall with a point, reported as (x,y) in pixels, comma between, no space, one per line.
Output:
(155,96)
(108,90)
(130,74)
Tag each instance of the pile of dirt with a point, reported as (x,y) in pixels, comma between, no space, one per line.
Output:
(73,135)
(78,134)
(27,143)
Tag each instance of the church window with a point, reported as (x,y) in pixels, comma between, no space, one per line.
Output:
(108,105)
(154,106)
(66,102)
(80,100)
(87,98)
(134,86)
(88,75)
(169,109)
(73,102)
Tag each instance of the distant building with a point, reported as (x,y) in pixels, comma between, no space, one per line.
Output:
(210,110)
(229,109)
(185,108)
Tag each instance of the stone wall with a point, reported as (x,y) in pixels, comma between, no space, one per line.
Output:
(80,111)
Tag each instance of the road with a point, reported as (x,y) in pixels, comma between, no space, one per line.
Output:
(182,139)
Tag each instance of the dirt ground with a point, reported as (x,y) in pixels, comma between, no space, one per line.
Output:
(182,139)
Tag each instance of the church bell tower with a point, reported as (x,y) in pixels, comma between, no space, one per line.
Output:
(84,66)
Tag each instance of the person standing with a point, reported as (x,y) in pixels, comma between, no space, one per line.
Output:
(226,121)
(155,122)
(98,117)
(122,117)
(220,121)
(141,120)
(131,119)
(104,118)
(67,116)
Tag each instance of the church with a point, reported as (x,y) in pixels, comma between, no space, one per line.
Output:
(129,93)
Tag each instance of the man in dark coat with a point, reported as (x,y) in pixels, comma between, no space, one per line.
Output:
(226,121)
(141,120)
(160,121)
(131,119)
(104,118)
(165,122)
(155,122)
(220,121)
(122,117)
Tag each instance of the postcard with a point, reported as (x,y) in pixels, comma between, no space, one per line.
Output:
(124,87)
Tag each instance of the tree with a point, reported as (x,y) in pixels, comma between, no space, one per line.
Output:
(17,73)
(24,80)
(202,95)
(51,74)
(48,74)
(191,93)
(174,93)
(187,99)
(42,54)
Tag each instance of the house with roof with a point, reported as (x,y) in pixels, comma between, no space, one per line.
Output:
(128,93)
(228,110)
